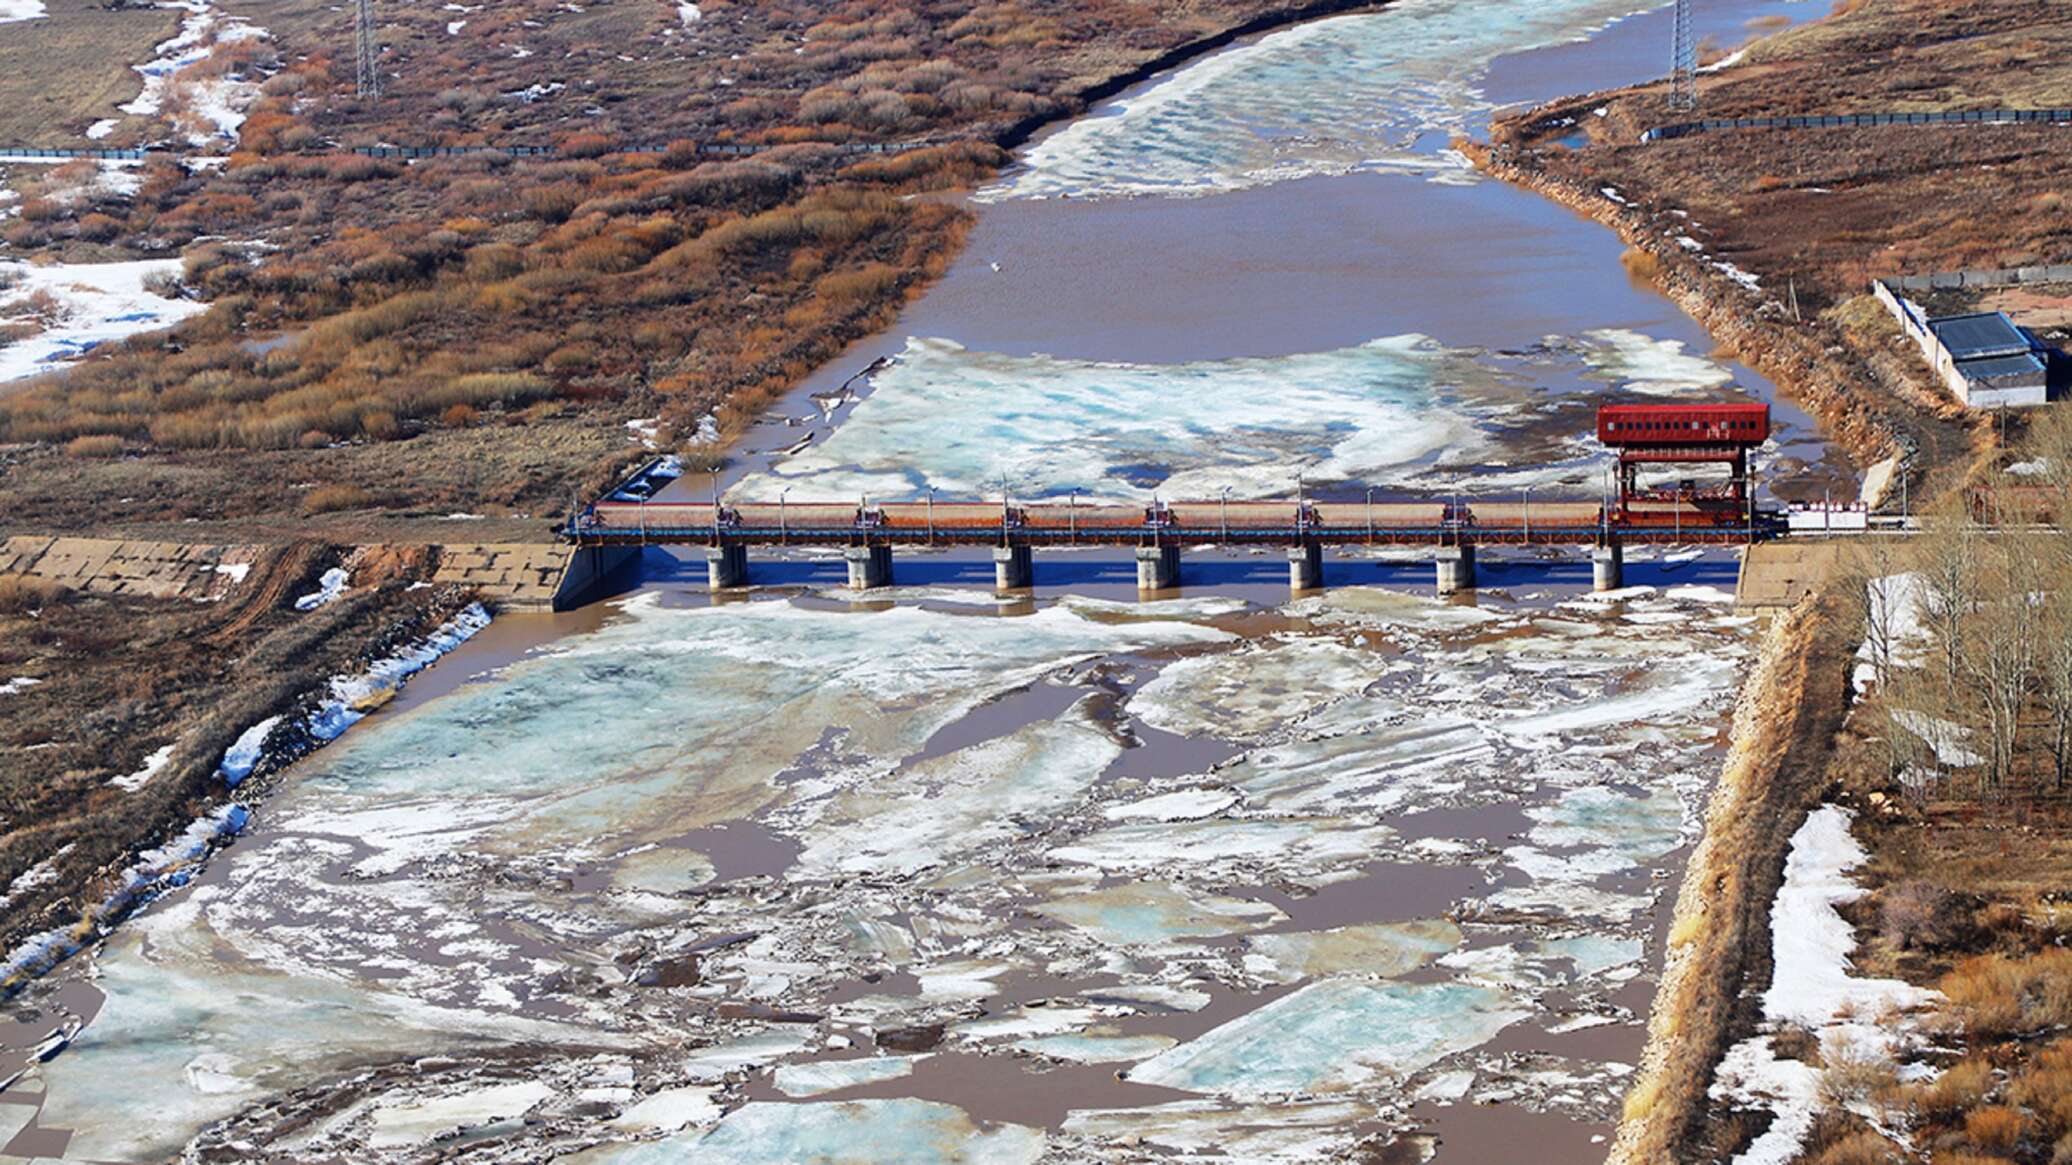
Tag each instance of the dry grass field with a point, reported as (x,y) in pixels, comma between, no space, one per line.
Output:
(1830,209)
(60,74)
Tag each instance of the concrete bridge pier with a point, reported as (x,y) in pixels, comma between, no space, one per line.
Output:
(1608,567)
(1014,568)
(1306,567)
(870,567)
(1456,569)
(1158,568)
(726,567)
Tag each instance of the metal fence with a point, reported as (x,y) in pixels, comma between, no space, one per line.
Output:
(1997,277)
(1857,120)
(37,154)
(717,149)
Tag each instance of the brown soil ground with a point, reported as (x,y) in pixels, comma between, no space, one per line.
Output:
(64,72)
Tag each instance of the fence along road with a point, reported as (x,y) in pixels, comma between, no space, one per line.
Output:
(1862,120)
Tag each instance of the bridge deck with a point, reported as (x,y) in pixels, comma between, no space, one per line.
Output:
(1055,523)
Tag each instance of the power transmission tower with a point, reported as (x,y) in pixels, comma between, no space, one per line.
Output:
(366,50)
(1683,83)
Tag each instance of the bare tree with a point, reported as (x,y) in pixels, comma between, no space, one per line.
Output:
(2054,670)
(1998,664)
(1950,586)
(1872,599)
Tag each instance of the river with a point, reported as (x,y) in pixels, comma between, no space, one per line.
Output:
(927,876)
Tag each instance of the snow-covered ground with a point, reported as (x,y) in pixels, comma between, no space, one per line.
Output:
(93,304)
(214,106)
(13,10)
(1811,988)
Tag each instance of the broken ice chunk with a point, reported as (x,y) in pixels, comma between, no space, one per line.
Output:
(1331,1036)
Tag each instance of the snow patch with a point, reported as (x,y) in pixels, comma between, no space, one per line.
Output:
(96,303)
(329,587)
(1811,987)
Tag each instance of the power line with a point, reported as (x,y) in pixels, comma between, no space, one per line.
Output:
(1683,85)
(365,50)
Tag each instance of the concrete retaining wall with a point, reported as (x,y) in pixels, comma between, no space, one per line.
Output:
(162,570)
(534,576)
(1776,575)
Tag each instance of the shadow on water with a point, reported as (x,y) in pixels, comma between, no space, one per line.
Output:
(1112,573)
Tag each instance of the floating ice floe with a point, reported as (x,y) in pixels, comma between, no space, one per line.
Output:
(1282,1131)
(97,303)
(1154,913)
(1385,949)
(1331,1036)
(401,1126)
(671,1109)
(1643,364)
(1359,93)
(1388,410)
(856,1132)
(820,1076)
(1227,695)
(1096,1046)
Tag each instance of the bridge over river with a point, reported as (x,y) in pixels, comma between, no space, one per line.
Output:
(1643,434)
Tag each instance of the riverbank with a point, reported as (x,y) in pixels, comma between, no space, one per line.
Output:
(1718,952)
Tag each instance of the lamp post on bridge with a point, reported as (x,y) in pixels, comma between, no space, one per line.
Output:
(1072,517)
(783,530)
(1370,515)
(1223,516)
(1525,501)
(931,515)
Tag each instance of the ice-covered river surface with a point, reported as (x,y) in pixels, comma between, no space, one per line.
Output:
(943,878)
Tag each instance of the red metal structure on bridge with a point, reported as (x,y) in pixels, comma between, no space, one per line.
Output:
(1680,434)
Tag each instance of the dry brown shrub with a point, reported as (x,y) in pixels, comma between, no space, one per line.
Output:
(21,593)
(1859,1148)
(99,445)
(1995,1128)
(2045,1088)
(1998,995)
(1641,265)
(1961,1088)
(328,499)
(98,228)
